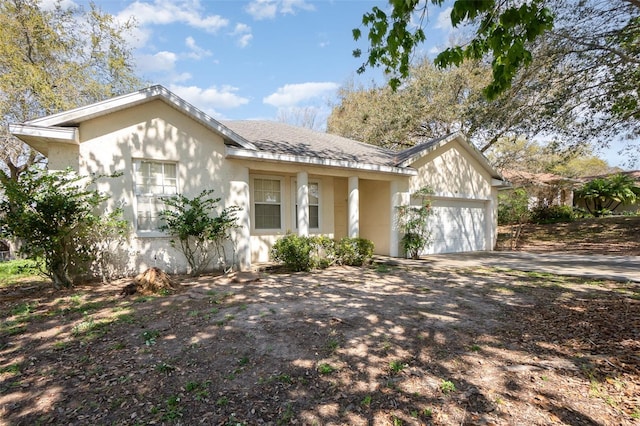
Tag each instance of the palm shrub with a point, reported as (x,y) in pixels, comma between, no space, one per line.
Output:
(604,195)
(199,231)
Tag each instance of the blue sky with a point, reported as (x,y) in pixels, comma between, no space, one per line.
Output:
(251,59)
(260,59)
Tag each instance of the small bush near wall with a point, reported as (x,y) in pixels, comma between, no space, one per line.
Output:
(305,253)
(354,251)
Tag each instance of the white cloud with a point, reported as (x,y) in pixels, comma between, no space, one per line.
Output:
(244,40)
(268,9)
(196,52)
(162,12)
(159,62)
(243,32)
(288,6)
(211,98)
(293,94)
(443,22)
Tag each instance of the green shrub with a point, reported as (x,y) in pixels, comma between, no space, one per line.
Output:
(294,251)
(553,214)
(24,267)
(305,253)
(354,251)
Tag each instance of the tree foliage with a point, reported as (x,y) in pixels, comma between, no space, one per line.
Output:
(503,29)
(432,103)
(201,233)
(53,217)
(604,195)
(513,210)
(52,60)
(580,81)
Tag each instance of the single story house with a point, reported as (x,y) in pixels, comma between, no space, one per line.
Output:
(285,179)
(544,189)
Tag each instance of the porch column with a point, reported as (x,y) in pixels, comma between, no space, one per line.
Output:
(239,196)
(399,197)
(353,227)
(303,203)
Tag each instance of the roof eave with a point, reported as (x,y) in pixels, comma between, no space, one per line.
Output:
(40,138)
(316,161)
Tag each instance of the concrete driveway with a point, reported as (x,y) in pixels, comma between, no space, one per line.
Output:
(616,268)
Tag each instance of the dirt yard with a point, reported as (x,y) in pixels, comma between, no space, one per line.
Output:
(345,346)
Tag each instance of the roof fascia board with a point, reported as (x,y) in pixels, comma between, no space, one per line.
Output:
(67,135)
(415,157)
(324,162)
(84,113)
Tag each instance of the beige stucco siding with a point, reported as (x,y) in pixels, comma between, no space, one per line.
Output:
(375,215)
(156,131)
(451,171)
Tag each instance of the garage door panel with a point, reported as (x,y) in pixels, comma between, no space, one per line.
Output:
(457,226)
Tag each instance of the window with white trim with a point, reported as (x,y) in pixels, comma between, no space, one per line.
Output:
(153,180)
(267,203)
(314,205)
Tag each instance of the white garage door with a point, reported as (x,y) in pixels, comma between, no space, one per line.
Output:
(457,225)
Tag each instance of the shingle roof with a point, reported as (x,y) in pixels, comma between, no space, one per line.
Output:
(281,138)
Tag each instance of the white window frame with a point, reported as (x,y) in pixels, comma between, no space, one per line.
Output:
(153,196)
(253,203)
(294,197)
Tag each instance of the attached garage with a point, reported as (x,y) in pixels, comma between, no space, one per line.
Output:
(458,225)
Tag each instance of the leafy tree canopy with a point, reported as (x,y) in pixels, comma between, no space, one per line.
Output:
(579,87)
(503,29)
(54,59)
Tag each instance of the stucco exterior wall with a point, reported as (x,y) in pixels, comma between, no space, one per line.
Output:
(155,131)
(375,215)
(451,171)
(456,177)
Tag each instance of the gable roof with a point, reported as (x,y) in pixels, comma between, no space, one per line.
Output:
(40,127)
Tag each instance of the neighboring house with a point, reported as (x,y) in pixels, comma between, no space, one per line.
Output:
(285,179)
(622,208)
(544,189)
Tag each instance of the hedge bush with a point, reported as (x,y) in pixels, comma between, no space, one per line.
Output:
(354,251)
(553,214)
(300,253)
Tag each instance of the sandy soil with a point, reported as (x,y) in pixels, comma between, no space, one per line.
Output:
(344,346)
